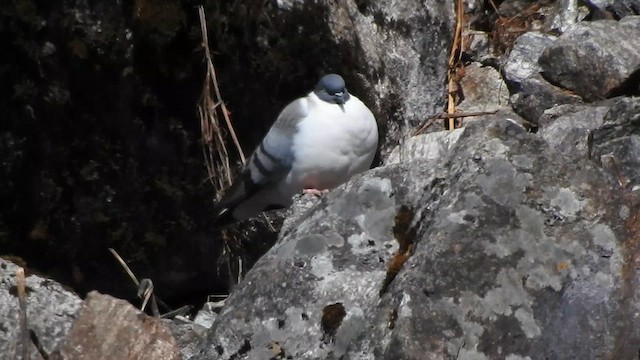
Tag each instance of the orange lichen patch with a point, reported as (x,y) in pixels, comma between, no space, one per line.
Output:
(404,233)
(562,266)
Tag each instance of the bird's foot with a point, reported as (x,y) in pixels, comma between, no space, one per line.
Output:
(315,192)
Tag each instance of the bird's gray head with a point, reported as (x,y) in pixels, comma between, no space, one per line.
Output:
(331,88)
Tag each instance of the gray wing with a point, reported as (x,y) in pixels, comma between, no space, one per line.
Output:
(270,162)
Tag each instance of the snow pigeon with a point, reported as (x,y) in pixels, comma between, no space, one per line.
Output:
(317,143)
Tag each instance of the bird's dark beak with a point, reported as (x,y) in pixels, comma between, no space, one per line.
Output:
(339,98)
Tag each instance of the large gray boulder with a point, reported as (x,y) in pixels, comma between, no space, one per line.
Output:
(583,59)
(531,94)
(567,127)
(508,250)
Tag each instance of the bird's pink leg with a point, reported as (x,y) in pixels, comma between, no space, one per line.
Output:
(315,192)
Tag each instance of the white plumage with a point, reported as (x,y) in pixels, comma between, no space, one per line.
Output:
(317,142)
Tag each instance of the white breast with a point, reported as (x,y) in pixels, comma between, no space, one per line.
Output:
(332,144)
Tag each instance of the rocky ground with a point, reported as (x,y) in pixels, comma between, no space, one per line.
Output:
(512,237)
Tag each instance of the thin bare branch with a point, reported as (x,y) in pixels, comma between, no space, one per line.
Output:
(454,60)
(125,267)
(432,118)
(22,301)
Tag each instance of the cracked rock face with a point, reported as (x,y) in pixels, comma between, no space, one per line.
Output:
(616,144)
(531,95)
(515,252)
(582,59)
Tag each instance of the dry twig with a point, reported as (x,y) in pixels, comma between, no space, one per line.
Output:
(431,119)
(22,301)
(211,109)
(507,29)
(454,65)
(145,287)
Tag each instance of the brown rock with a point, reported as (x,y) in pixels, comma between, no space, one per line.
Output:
(109,328)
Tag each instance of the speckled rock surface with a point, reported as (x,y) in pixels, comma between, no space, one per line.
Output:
(620,8)
(108,328)
(567,127)
(518,252)
(582,59)
(431,146)
(531,94)
(616,144)
(334,254)
(522,61)
(187,335)
(526,254)
(50,312)
(565,14)
(483,90)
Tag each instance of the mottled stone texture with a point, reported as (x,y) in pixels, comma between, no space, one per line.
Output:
(518,251)
(616,144)
(567,127)
(582,59)
(332,253)
(50,312)
(531,95)
(108,328)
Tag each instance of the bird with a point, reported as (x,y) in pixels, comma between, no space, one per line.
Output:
(317,142)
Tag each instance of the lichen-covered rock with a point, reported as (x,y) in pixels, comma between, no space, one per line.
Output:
(507,250)
(531,94)
(623,8)
(50,312)
(430,146)
(329,264)
(567,127)
(616,144)
(518,259)
(187,335)
(584,60)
